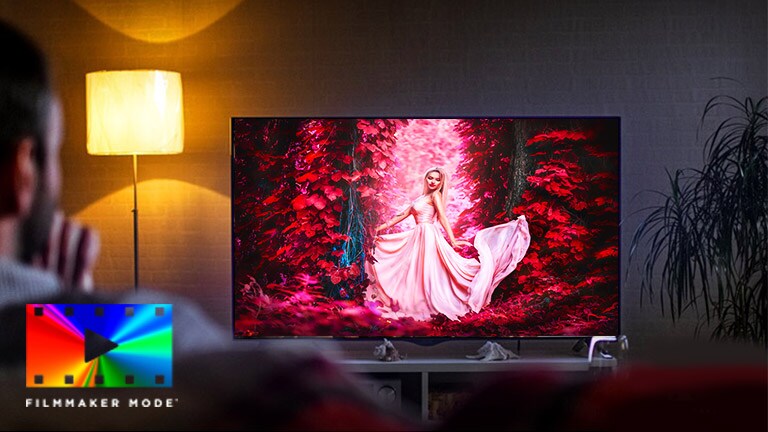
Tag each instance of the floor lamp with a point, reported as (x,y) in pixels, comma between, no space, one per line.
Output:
(134,112)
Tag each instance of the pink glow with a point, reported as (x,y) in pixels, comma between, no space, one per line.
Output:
(423,144)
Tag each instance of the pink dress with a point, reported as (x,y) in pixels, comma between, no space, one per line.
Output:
(418,274)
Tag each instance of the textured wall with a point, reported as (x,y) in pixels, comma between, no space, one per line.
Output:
(650,62)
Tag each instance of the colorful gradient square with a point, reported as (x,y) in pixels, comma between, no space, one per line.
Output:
(56,345)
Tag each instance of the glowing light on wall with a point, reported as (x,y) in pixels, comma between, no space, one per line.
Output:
(158,21)
(171,238)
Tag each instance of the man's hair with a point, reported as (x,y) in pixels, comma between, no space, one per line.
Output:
(25,94)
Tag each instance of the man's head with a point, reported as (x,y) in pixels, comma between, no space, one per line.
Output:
(30,133)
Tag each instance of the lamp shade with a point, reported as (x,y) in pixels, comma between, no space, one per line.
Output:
(134,112)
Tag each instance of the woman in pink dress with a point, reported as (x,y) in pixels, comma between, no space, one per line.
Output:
(418,273)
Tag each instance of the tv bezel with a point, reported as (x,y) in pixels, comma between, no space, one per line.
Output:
(425,340)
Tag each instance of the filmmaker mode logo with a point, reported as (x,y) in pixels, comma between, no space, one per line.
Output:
(99,345)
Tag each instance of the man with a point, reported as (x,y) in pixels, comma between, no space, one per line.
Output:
(41,253)
(30,183)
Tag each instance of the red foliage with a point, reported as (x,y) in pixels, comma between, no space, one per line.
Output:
(573,216)
(306,198)
(558,136)
(293,309)
(486,143)
(302,192)
(568,282)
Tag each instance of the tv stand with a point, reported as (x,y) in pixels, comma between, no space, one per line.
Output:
(414,382)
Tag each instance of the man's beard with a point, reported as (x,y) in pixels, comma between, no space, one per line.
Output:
(36,228)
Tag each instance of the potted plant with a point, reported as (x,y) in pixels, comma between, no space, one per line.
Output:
(705,246)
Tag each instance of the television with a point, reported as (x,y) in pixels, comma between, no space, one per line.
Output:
(319,248)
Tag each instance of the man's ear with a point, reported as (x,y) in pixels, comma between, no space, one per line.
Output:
(20,180)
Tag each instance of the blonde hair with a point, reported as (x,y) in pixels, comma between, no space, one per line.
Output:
(443,182)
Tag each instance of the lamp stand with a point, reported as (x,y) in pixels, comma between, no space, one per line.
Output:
(135,226)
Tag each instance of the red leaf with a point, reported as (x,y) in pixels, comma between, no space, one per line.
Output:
(331,220)
(557,136)
(312,156)
(612,251)
(271,199)
(311,177)
(354,177)
(299,202)
(365,191)
(317,201)
(332,192)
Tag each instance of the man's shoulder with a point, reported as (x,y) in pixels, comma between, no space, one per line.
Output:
(20,283)
(195,331)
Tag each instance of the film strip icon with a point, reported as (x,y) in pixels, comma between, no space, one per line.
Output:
(99,345)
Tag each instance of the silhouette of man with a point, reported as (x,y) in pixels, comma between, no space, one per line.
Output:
(41,253)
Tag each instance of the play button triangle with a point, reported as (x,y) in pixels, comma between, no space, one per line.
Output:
(96,345)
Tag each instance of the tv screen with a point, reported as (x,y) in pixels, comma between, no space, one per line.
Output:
(425,227)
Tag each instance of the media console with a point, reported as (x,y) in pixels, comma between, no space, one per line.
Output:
(417,384)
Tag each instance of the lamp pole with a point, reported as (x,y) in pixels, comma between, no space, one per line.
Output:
(135,225)
(134,112)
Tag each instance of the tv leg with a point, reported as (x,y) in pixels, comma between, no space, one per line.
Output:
(580,344)
(598,343)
